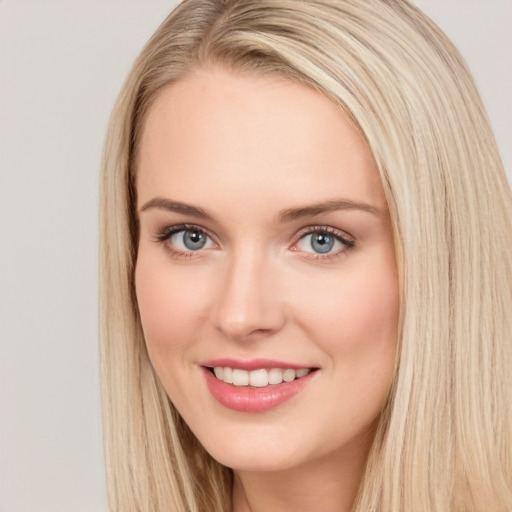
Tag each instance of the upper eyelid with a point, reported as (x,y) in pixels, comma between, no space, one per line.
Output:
(171,230)
(327,229)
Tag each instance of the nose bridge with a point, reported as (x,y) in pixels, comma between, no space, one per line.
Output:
(247,303)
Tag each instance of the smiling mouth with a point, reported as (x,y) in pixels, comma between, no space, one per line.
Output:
(259,387)
(258,378)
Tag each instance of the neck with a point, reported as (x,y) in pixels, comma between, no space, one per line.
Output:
(329,484)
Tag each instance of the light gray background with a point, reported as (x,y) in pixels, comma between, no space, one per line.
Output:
(61,66)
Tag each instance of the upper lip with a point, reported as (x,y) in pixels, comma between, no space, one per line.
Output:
(252,364)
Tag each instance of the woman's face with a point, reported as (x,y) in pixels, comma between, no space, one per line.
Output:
(265,253)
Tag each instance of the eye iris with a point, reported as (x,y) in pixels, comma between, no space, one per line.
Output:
(194,240)
(322,242)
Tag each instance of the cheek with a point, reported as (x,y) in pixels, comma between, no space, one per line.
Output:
(370,309)
(169,304)
(354,318)
(356,326)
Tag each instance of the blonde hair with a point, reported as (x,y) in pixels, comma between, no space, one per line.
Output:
(444,442)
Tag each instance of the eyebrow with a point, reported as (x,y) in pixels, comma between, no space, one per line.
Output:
(287,215)
(325,207)
(175,206)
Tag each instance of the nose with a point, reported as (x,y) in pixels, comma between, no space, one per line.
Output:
(248,305)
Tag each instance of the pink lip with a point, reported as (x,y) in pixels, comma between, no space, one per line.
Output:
(248,399)
(253,364)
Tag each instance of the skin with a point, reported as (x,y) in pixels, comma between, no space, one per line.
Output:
(244,149)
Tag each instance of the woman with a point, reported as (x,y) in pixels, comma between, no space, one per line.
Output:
(305,267)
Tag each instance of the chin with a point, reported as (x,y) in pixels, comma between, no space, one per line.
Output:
(255,462)
(254,451)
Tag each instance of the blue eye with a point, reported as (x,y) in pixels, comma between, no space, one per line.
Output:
(323,242)
(190,240)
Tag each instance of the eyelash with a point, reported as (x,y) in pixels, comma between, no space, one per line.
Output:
(164,235)
(338,235)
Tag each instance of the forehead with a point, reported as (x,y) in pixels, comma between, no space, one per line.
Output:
(252,137)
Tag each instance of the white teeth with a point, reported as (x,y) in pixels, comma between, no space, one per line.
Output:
(228,375)
(258,378)
(240,377)
(289,375)
(275,376)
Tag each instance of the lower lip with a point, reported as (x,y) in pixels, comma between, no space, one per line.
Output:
(247,399)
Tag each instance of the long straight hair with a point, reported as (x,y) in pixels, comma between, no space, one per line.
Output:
(444,440)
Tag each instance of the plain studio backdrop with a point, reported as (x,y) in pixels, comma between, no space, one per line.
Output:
(61,66)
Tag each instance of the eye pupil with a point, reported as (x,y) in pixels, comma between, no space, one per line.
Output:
(194,240)
(322,242)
